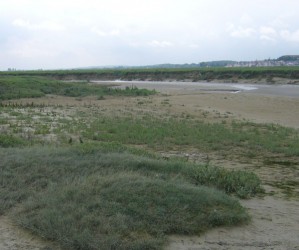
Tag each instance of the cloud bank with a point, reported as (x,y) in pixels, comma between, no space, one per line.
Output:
(65,34)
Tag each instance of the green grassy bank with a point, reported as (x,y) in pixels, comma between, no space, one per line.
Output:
(160,74)
(101,196)
(15,87)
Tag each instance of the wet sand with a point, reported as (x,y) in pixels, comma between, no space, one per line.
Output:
(274,226)
(176,87)
(261,103)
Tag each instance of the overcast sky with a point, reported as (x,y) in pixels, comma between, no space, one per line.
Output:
(52,34)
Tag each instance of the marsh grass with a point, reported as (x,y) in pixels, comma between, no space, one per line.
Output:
(16,87)
(160,74)
(107,196)
(243,184)
(165,133)
(9,140)
(101,191)
(157,133)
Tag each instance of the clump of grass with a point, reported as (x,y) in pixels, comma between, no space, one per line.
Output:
(132,91)
(244,184)
(8,140)
(90,197)
(127,211)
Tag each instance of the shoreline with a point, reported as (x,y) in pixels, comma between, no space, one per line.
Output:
(185,87)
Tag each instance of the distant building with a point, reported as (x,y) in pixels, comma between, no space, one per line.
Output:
(281,61)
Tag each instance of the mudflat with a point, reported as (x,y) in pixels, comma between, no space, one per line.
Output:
(260,103)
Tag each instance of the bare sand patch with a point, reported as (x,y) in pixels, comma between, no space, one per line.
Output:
(255,108)
(275,225)
(13,237)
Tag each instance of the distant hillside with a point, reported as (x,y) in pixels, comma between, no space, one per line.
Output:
(223,63)
(222,74)
(288,58)
(283,61)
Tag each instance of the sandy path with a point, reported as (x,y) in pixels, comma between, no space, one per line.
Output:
(15,238)
(275,225)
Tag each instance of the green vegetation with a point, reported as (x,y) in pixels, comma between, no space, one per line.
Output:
(166,133)
(288,58)
(9,140)
(102,197)
(159,74)
(90,177)
(15,87)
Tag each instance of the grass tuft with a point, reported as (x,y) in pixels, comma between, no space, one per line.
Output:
(7,140)
(242,183)
(127,211)
(104,197)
